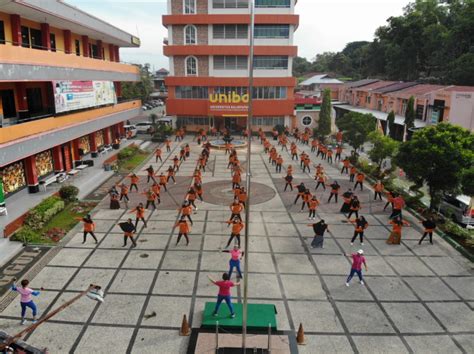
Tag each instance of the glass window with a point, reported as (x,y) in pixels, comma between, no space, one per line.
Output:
(190,33)
(52,41)
(36,39)
(272,3)
(191,66)
(192,92)
(271,62)
(77,45)
(230,31)
(230,62)
(269,93)
(272,31)
(240,90)
(268,121)
(230,4)
(2,33)
(185,121)
(25,37)
(189,6)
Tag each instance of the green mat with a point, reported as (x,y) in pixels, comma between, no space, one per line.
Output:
(259,316)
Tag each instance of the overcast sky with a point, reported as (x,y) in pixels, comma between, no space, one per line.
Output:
(325,25)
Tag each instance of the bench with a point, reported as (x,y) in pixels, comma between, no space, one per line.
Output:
(59,178)
(81,167)
(73,172)
(106,149)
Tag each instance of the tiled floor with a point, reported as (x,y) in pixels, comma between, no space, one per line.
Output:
(416,299)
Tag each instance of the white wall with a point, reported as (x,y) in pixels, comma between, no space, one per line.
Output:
(462,109)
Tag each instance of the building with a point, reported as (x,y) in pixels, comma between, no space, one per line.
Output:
(307,111)
(60,94)
(208,48)
(159,79)
(316,84)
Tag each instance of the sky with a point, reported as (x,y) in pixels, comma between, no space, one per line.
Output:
(325,25)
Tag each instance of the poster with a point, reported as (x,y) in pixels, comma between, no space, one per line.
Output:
(13,177)
(74,95)
(44,163)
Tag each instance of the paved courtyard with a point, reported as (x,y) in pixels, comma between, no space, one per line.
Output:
(417,299)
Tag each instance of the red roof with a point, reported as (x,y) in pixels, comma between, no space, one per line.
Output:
(460,88)
(375,85)
(418,90)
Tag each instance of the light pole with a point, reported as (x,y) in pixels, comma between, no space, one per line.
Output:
(248,185)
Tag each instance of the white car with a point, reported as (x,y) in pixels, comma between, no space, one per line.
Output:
(143,127)
(458,208)
(132,129)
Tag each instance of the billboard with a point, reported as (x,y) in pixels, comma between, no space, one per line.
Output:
(73,95)
(228,104)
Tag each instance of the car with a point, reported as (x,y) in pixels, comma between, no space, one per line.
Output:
(144,108)
(143,127)
(130,128)
(458,209)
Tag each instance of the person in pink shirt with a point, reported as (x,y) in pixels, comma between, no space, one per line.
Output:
(235,256)
(357,260)
(25,299)
(224,293)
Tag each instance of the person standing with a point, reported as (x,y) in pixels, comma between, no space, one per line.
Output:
(345,165)
(319,229)
(89,228)
(183,230)
(150,174)
(279,162)
(25,299)
(398,204)
(301,189)
(396,234)
(334,191)
(321,179)
(168,145)
(158,155)
(150,199)
(313,205)
(124,193)
(352,173)
(224,293)
(134,179)
(288,181)
(236,208)
(378,189)
(357,260)
(338,153)
(429,225)
(237,226)
(347,197)
(171,173)
(129,234)
(390,196)
(359,181)
(236,255)
(306,198)
(186,210)
(354,207)
(140,214)
(163,181)
(360,225)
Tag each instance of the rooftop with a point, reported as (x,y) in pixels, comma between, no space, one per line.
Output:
(320,79)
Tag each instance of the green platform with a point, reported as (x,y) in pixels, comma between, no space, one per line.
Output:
(259,316)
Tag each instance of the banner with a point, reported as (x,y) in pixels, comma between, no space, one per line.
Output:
(73,95)
(228,104)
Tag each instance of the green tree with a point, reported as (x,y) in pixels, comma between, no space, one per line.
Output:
(410,115)
(356,127)
(384,147)
(390,124)
(467,182)
(324,126)
(438,156)
(140,89)
(301,66)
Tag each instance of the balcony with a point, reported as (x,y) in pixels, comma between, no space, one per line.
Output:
(20,64)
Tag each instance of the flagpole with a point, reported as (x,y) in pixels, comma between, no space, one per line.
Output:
(248,185)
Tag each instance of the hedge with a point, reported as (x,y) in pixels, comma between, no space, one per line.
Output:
(43,212)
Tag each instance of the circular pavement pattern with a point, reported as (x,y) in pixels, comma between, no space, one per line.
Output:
(220,193)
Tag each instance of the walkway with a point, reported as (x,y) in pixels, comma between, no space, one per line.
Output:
(417,298)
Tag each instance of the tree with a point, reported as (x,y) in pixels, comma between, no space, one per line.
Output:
(384,147)
(410,115)
(438,156)
(140,89)
(390,130)
(324,126)
(356,127)
(467,182)
(301,66)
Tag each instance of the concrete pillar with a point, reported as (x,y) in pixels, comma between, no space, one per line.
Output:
(67,157)
(75,150)
(117,54)
(121,129)
(107,136)
(45,36)
(20,90)
(31,174)
(85,46)
(58,159)
(67,41)
(16,29)
(118,88)
(93,144)
(111,52)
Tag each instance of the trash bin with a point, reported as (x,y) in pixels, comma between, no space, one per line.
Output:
(107,167)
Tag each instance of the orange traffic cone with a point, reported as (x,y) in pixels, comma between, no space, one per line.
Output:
(300,336)
(185,330)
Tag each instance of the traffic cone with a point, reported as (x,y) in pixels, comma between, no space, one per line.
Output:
(300,336)
(185,330)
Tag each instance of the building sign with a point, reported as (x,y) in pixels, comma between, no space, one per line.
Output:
(136,40)
(73,95)
(228,104)
(44,163)
(13,177)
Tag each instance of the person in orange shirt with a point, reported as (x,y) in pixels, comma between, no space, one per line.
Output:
(306,164)
(191,197)
(236,179)
(359,180)
(378,188)
(352,173)
(89,227)
(151,174)
(334,191)
(329,154)
(289,170)
(237,226)
(168,145)
(319,169)
(360,225)
(183,230)
(129,235)
(158,155)
(236,192)
(242,196)
(228,148)
(156,188)
(187,150)
(302,159)
(236,208)
(279,162)
(288,181)
(313,205)
(314,145)
(140,214)
(134,179)
(163,181)
(396,234)
(171,173)
(182,154)
(345,165)
(398,204)
(390,196)
(321,178)
(176,163)
(124,192)
(338,153)
(306,198)
(339,137)
(202,163)
(294,152)
(199,191)
(186,210)
(150,199)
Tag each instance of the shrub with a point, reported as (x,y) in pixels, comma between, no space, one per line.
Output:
(69,193)
(25,234)
(128,152)
(43,212)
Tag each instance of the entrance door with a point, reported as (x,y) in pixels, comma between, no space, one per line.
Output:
(230,123)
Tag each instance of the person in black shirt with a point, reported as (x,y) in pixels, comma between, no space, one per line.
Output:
(429,226)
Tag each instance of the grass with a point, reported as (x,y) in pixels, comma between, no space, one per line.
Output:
(132,162)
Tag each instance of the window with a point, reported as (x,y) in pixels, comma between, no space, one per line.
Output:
(25,37)
(268,121)
(35,100)
(93,51)
(192,92)
(269,93)
(272,3)
(271,62)
(230,4)
(190,34)
(230,31)
(307,121)
(272,31)
(240,90)
(2,33)
(189,6)
(52,41)
(77,45)
(230,62)
(367,100)
(191,66)
(8,103)
(184,121)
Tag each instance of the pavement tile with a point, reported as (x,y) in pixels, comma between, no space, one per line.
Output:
(390,289)
(409,266)
(53,278)
(456,317)
(57,337)
(364,317)
(148,340)
(325,345)
(174,283)
(390,344)
(169,311)
(87,276)
(411,318)
(132,281)
(435,344)
(106,258)
(431,289)
(175,259)
(70,257)
(303,287)
(339,291)
(463,286)
(317,316)
(445,266)
(105,338)
(116,308)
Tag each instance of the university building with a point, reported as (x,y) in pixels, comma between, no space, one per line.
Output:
(208,46)
(60,95)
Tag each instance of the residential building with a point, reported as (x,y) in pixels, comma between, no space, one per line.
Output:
(60,94)
(307,111)
(320,82)
(208,47)
(159,79)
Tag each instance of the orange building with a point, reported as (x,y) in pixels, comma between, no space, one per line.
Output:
(60,94)
(208,47)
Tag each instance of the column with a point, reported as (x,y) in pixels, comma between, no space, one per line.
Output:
(16,29)
(118,89)
(75,151)
(93,145)
(45,36)
(100,48)
(107,137)
(85,46)
(58,159)
(111,52)
(67,157)
(121,129)
(117,54)
(67,41)
(31,174)
(20,89)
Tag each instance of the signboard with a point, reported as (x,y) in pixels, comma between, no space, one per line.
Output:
(228,104)
(136,40)
(73,95)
